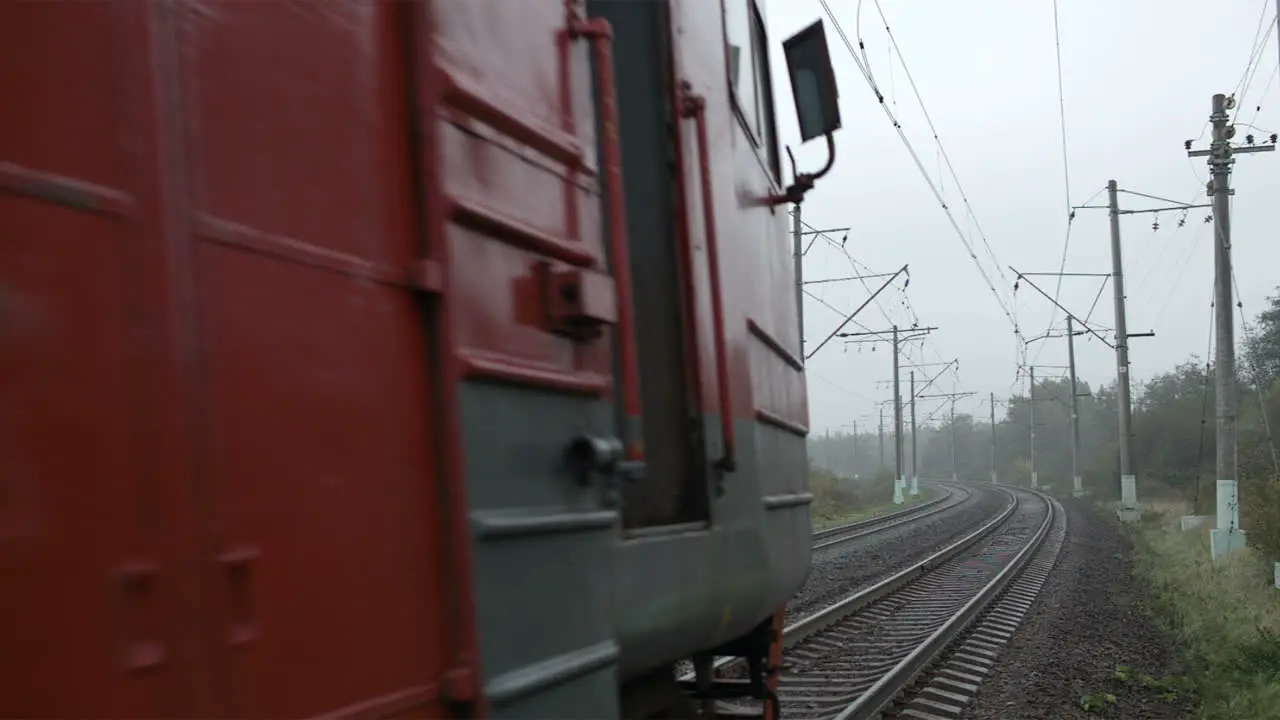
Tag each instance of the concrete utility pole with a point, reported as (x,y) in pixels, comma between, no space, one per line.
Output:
(897,426)
(854,469)
(952,398)
(881,437)
(798,250)
(915,474)
(994,479)
(1228,535)
(1035,480)
(915,333)
(953,439)
(1077,488)
(1128,483)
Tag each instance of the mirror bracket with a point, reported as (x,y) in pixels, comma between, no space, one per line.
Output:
(803,182)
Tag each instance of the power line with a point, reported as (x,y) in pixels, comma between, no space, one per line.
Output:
(893,43)
(916,159)
(852,263)
(1255,57)
(1062,265)
(1066,166)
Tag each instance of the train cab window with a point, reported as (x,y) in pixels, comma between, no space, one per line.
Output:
(747,55)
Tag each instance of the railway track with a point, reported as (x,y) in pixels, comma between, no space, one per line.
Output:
(917,644)
(855,658)
(947,499)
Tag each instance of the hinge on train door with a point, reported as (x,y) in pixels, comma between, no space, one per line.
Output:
(578,303)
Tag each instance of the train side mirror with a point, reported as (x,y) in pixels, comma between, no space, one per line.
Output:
(813,85)
(813,82)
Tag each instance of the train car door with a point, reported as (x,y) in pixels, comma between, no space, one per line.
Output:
(87,574)
(325,564)
(532,308)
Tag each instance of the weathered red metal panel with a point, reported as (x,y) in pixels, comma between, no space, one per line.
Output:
(218,464)
(83,563)
(506,65)
(326,565)
(761,360)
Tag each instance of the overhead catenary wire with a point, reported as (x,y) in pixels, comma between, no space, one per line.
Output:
(916,159)
(839,247)
(1066,166)
(1255,57)
(942,150)
(1256,375)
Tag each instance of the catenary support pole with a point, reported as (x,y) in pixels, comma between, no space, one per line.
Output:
(881,438)
(1129,509)
(854,468)
(953,440)
(1077,488)
(915,455)
(994,477)
(1035,480)
(897,426)
(1228,535)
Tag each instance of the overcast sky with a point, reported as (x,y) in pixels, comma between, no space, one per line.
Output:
(1138,77)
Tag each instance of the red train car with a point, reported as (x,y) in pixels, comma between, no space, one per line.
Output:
(431,358)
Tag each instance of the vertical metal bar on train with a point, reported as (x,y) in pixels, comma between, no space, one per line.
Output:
(798,251)
(600,34)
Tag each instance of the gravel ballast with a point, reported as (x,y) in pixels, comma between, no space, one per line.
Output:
(842,569)
(1086,640)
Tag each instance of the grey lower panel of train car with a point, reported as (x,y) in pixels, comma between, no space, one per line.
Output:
(567,606)
(688,590)
(544,553)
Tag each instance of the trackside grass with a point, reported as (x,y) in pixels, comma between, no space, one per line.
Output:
(1224,616)
(837,501)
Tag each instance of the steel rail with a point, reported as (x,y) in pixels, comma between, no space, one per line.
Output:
(876,519)
(832,614)
(881,522)
(887,688)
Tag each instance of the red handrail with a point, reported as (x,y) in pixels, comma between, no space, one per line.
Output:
(695,106)
(600,33)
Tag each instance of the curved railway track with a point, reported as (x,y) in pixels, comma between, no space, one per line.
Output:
(950,497)
(872,653)
(853,659)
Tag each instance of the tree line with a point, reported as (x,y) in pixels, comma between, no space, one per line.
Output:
(1174,443)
